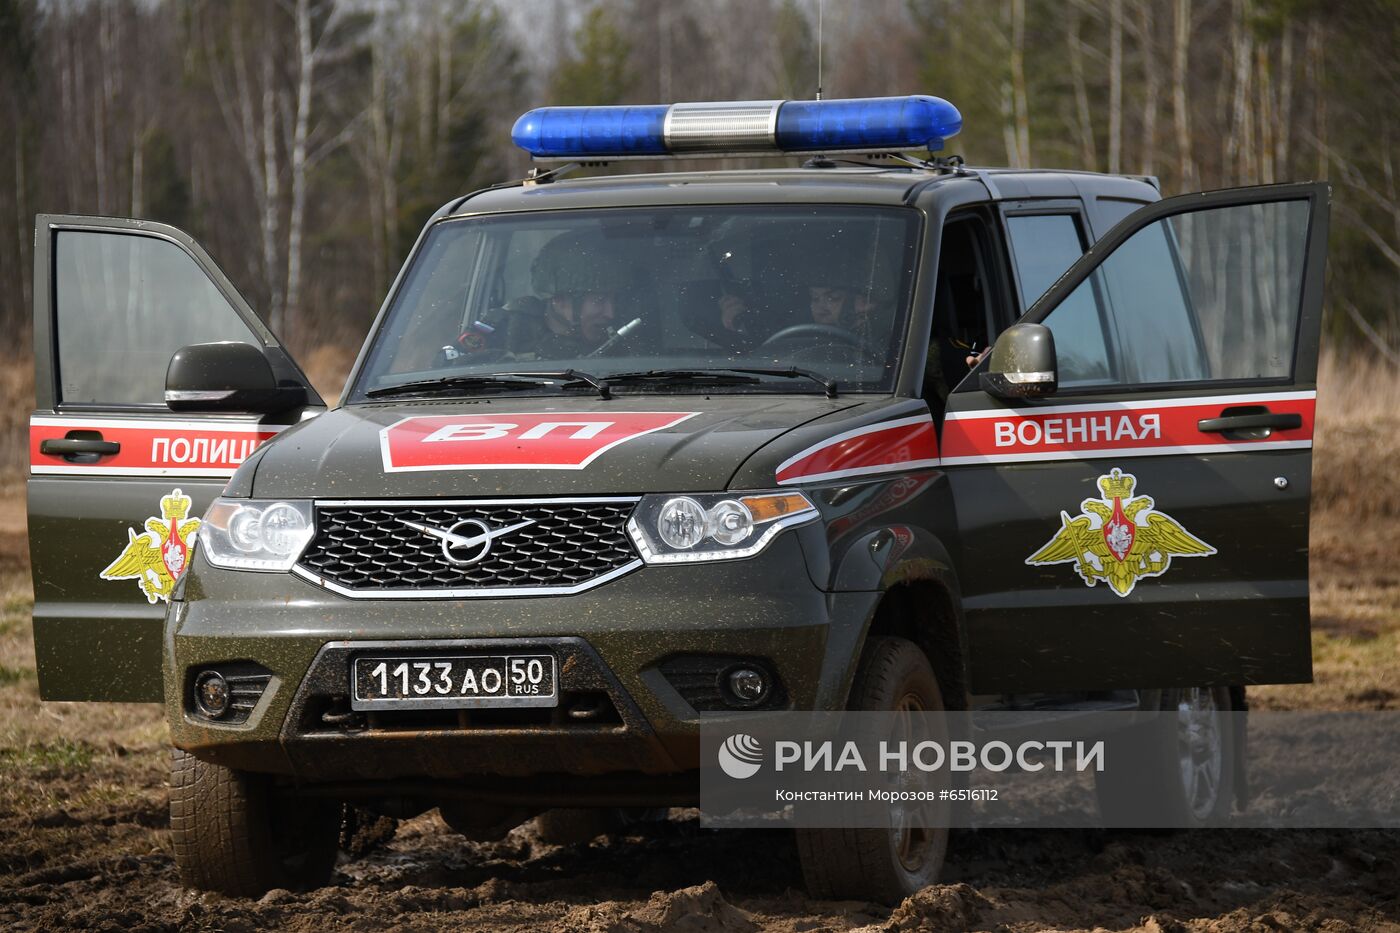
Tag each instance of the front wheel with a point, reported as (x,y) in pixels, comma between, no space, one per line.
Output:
(890,863)
(236,833)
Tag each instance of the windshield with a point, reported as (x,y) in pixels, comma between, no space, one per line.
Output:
(657,293)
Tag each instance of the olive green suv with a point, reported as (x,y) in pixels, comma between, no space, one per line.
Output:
(623,454)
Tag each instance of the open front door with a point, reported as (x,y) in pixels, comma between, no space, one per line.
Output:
(117,481)
(1146,525)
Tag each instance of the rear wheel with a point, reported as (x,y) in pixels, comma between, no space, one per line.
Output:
(236,833)
(1178,770)
(890,863)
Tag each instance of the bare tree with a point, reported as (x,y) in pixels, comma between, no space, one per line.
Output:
(1181,114)
(1115,85)
(310,53)
(1083,125)
(1015,109)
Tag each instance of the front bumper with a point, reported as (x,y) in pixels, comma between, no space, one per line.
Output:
(612,643)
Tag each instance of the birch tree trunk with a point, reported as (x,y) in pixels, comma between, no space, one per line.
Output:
(1115,86)
(101,105)
(23,226)
(1241,50)
(1152,81)
(1088,151)
(1018,82)
(1267,120)
(272,265)
(1283,148)
(306,67)
(1181,116)
(444,84)
(1316,78)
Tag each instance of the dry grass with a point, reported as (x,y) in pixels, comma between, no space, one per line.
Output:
(1355,543)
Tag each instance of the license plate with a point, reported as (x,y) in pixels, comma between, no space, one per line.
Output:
(457,682)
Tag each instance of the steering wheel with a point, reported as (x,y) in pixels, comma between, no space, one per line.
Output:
(811,332)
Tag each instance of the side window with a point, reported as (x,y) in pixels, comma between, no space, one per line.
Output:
(1213,294)
(1045,245)
(963,306)
(124,304)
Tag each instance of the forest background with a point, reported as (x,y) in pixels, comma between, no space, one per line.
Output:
(305,142)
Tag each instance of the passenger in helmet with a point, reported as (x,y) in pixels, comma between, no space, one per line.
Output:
(837,284)
(577,278)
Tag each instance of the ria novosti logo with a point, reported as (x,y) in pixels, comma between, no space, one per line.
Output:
(740,756)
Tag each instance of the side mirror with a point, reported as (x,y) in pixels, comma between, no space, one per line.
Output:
(227,376)
(1022,363)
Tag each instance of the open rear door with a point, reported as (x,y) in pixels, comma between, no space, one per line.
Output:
(1147,524)
(117,481)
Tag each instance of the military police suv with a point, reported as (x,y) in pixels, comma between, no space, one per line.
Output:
(626,452)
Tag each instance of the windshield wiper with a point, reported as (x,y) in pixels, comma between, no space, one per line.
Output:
(794,372)
(521,380)
(726,375)
(575,376)
(713,377)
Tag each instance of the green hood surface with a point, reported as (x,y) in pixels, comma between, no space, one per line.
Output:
(344,453)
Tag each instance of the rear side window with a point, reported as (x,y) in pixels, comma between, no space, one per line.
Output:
(124,304)
(1045,245)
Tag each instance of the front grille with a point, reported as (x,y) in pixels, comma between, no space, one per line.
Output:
(365,548)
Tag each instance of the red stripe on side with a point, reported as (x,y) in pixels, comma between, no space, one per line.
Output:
(875,451)
(1017,435)
(152,451)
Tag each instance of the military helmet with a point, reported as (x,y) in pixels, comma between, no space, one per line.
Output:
(578,261)
(859,269)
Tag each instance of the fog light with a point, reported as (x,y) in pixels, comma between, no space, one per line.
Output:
(747,685)
(211,694)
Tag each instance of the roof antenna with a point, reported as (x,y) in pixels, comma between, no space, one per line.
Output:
(821,4)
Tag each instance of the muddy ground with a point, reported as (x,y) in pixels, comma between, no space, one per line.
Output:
(84,840)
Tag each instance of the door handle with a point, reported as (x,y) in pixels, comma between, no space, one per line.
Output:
(1253,421)
(67,446)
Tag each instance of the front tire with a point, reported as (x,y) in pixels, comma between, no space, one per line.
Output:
(885,864)
(235,833)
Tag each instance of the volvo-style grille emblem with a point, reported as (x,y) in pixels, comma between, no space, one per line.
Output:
(468,541)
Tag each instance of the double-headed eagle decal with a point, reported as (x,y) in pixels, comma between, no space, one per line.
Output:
(1119,538)
(157,557)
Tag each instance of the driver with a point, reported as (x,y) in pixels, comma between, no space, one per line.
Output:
(837,296)
(577,278)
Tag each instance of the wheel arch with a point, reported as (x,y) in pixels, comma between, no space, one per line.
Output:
(923,611)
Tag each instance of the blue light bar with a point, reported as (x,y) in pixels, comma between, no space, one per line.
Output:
(771,127)
(592,131)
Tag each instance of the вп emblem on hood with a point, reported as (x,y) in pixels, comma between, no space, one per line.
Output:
(554,440)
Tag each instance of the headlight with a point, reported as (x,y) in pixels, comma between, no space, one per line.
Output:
(718,526)
(256,534)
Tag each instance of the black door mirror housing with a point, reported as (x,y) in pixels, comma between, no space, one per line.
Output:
(1022,363)
(226,377)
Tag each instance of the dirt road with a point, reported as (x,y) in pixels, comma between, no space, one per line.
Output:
(85,847)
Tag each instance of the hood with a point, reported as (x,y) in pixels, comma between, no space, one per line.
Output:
(531,447)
